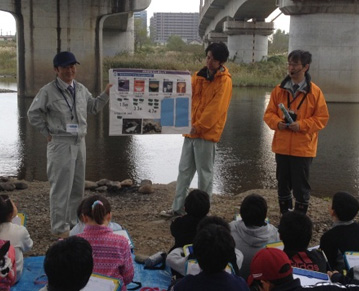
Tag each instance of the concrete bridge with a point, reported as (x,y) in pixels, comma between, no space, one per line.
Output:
(89,28)
(328,29)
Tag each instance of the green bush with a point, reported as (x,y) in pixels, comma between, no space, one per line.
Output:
(8,58)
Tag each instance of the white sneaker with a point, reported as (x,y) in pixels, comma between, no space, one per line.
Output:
(170,213)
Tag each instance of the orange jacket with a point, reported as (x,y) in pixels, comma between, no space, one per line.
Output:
(312,116)
(210,102)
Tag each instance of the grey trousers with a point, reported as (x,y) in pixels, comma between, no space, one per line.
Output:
(66,162)
(197,155)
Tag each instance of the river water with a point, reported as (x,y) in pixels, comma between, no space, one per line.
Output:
(244,159)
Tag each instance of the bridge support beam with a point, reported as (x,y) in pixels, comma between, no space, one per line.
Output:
(329,30)
(247,41)
(88,28)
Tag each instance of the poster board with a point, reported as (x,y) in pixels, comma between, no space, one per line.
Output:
(149,102)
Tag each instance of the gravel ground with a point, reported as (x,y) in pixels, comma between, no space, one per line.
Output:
(138,213)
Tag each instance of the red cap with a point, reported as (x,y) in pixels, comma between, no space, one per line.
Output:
(270,264)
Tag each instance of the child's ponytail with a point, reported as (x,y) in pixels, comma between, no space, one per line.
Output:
(98,211)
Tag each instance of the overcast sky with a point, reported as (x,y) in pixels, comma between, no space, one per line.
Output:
(7,21)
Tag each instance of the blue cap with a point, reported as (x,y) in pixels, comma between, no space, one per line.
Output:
(64,59)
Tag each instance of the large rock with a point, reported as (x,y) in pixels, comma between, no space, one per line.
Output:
(115,186)
(90,185)
(104,182)
(7,186)
(146,189)
(127,183)
(20,185)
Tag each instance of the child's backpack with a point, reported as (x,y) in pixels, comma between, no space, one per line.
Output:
(7,265)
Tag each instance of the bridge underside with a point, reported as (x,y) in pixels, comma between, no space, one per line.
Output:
(90,29)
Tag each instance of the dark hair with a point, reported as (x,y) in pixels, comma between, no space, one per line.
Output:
(213,220)
(213,247)
(197,203)
(96,207)
(253,210)
(219,51)
(68,264)
(6,208)
(295,229)
(304,57)
(345,205)
(79,210)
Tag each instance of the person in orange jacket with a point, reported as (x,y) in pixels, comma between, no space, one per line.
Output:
(295,138)
(211,95)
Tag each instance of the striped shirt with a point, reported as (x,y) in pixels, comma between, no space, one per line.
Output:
(111,253)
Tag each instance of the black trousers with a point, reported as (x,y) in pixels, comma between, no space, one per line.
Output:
(293,175)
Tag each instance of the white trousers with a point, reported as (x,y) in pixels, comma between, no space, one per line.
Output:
(197,155)
(66,162)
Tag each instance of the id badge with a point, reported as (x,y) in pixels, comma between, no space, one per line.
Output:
(72,128)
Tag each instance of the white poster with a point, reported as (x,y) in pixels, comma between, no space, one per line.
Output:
(149,101)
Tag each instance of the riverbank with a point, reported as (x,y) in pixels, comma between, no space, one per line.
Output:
(266,73)
(138,213)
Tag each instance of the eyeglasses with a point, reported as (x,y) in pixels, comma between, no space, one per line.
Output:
(294,65)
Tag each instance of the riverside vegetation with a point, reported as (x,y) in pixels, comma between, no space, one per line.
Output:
(266,73)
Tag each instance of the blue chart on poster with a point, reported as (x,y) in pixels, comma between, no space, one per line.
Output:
(149,102)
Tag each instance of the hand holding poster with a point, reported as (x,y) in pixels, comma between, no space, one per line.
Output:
(149,101)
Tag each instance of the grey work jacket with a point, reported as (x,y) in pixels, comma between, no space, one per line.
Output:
(50,113)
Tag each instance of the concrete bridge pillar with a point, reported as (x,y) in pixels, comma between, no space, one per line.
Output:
(247,41)
(329,30)
(88,28)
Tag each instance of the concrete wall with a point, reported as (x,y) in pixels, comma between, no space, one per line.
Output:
(116,41)
(247,48)
(334,43)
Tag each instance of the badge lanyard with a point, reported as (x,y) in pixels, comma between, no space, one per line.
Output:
(67,102)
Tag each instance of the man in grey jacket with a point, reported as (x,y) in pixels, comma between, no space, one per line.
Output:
(59,112)
(251,232)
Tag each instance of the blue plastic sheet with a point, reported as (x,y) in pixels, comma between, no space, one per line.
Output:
(34,278)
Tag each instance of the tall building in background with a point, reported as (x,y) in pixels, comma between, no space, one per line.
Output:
(143,16)
(185,25)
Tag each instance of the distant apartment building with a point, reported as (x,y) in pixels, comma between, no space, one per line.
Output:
(185,25)
(142,15)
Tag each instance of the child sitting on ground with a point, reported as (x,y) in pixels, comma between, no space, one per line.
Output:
(184,228)
(251,232)
(177,260)
(344,235)
(213,247)
(111,252)
(18,235)
(68,264)
(295,230)
(80,226)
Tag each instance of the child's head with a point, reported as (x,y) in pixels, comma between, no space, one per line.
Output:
(253,210)
(213,220)
(68,264)
(213,246)
(345,206)
(295,230)
(97,208)
(197,203)
(7,209)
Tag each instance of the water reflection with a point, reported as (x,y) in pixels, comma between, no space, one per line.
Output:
(244,159)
